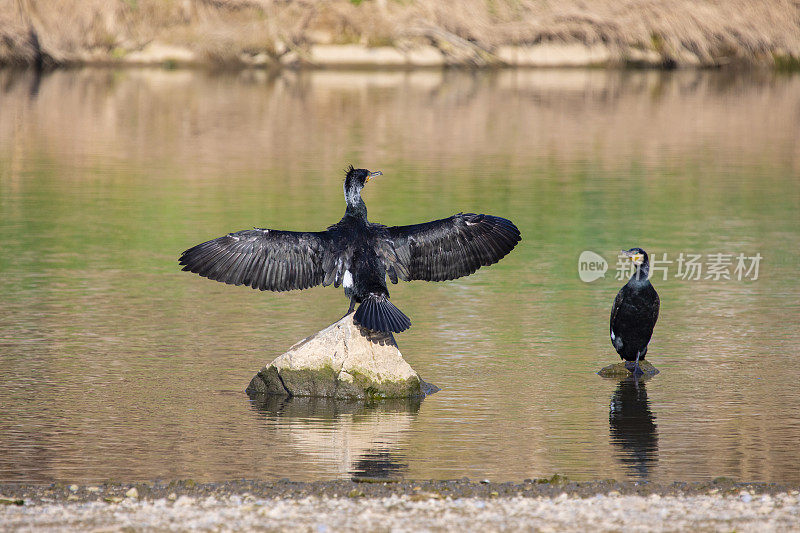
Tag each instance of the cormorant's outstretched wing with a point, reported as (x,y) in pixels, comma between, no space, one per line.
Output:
(448,248)
(263,259)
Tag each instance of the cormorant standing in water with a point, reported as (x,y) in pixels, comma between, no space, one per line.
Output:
(635,312)
(356,254)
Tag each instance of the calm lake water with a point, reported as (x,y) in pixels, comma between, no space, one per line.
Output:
(115,365)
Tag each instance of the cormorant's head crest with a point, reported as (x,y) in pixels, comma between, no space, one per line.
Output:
(354,181)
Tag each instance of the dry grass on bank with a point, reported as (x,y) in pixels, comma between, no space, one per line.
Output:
(704,32)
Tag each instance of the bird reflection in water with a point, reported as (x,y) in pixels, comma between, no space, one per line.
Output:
(632,427)
(346,438)
(379,463)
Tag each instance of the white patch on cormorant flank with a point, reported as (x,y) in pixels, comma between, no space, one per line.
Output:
(616,341)
(347,282)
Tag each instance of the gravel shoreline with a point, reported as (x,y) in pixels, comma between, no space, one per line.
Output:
(383,505)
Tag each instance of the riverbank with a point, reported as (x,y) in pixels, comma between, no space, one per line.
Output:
(383,505)
(356,33)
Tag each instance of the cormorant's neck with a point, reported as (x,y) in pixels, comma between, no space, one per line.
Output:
(641,276)
(355,205)
(358,210)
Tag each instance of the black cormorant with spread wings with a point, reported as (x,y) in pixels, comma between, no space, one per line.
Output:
(356,254)
(635,312)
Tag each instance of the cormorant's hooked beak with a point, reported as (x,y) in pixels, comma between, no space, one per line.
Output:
(636,257)
(373,174)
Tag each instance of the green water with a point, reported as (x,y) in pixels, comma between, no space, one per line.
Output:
(117,365)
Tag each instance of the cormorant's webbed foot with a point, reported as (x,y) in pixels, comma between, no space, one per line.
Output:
(634,368)
(351,308)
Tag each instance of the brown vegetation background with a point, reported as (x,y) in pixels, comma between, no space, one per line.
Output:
(679,32)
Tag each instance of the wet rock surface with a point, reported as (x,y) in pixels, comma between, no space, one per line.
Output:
(342,361)
(369,503)
(621,370)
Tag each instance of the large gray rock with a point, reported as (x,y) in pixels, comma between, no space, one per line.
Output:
(341,361)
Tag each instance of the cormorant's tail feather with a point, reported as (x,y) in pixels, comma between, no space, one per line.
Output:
(377,313)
